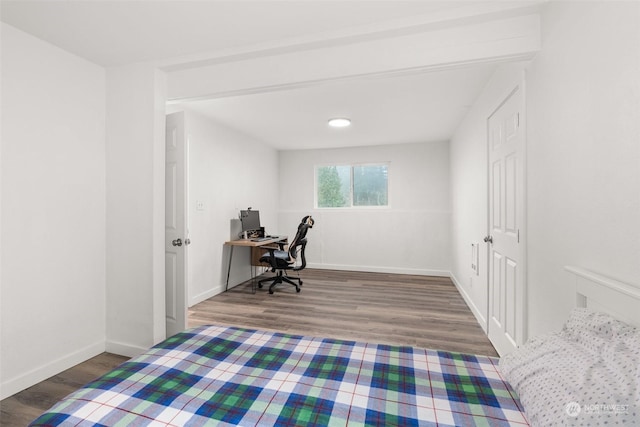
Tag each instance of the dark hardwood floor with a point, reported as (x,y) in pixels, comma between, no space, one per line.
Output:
(381,308)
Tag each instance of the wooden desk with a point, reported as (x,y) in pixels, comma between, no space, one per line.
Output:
(257,250)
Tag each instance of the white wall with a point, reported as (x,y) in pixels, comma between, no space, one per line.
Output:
(53,210)
(135,208)
(469,189)
(583,158)
(583,152)
(228,171)
(411,236)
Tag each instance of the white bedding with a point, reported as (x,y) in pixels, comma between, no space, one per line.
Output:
(586,374)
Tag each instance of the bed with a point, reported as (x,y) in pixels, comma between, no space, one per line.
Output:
(218,375)
(245,377)
(587,373)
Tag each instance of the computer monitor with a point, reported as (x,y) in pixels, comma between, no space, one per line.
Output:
(250,220)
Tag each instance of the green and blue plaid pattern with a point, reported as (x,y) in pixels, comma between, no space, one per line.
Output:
(216,375)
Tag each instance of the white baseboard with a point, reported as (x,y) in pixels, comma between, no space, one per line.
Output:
(206,295)
(123,349)
(26,380)
(377,269)
(482,321)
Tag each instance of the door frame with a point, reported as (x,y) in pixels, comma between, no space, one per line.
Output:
(522,310)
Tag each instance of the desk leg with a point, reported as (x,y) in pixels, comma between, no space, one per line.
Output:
(254,285)
(229,269)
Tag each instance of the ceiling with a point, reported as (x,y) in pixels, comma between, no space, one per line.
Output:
(399,109)
(407,109)
(118,32)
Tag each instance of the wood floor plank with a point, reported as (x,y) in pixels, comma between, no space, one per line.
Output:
(22,408)
(422,311)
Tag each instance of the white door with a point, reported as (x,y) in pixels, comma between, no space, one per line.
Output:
(176,239)
(506,317)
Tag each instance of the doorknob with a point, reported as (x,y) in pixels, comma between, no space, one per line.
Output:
(488,239)
(177,242)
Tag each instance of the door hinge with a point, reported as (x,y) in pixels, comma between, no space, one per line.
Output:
(518,235)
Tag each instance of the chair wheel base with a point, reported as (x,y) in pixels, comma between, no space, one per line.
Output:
(280,279)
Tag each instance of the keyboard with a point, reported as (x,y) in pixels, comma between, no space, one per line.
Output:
(262,239)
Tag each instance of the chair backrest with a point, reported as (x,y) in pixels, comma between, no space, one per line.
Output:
(299,242)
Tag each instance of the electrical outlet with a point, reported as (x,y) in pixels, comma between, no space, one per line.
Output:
(199,205)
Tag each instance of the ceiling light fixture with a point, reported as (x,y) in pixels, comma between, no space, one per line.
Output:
(339,122)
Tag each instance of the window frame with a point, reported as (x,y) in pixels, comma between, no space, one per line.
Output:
(351,166)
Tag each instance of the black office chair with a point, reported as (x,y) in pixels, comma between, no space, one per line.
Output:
(281,260)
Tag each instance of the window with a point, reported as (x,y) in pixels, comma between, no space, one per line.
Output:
(345,186)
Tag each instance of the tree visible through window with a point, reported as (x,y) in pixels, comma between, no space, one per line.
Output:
(342,186)
(370,185)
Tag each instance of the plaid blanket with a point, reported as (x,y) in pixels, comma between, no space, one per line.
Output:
(216,375)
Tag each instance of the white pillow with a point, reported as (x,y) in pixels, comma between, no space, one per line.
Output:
(586,374)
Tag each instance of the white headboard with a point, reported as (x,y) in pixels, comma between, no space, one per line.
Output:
(600,293)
